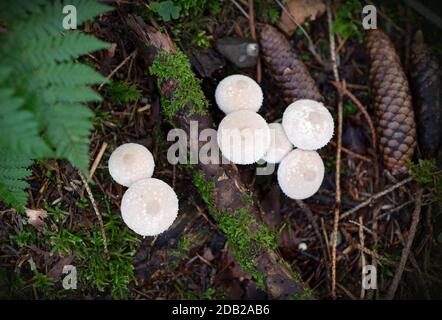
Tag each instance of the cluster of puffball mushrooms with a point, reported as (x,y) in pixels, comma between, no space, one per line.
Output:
(150,206)
(244,137)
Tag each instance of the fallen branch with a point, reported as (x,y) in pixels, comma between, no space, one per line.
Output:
(338,149)
(220,184)
(97,213)
(406,251)
(376,196)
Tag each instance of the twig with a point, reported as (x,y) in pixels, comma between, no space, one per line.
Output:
(117,68)
(376,196)
(97,160)
(362,241)
(240,8)
(406,251)
(97,213)
(254,37)
(311,46)
(338,150)
(352,153)
(312,220)
(361,108)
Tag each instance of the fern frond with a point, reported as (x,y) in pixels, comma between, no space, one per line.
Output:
(71,94)
(86,9)
(59,49)
(71,74)
(18,129)
(68,129)
(12,174)
(14,10)
(42,89)
(40,24)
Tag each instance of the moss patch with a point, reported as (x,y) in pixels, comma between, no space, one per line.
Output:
(169,66)
(237,227)
(246,245)
(305,294)
(205,188)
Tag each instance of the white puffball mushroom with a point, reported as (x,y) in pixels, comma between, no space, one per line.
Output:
(238,92)
(300,174)
(131,162)
(279,145)
(308,124)
(149,207)
(243,137)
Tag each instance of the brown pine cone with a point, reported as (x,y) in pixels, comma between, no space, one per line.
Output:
(290,73)
(396,126)
(427,86)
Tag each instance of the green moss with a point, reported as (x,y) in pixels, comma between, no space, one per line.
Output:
(244,244)
(247,198)
(205,188)
(95,272)
(169,66)
(305,294)
(426,173)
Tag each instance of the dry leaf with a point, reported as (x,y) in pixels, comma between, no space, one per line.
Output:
(35,217)
(302,11)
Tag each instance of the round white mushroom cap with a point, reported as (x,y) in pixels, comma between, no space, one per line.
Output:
(238,92)
(300,174)
(149,207)
(308,124)
(243,137)
(279,145)
(131,162)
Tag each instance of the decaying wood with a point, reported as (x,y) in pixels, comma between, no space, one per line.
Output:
(392,102)
(279,280)
(427,87)
(290,73)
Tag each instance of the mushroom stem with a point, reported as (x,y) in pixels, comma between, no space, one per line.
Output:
(226,200)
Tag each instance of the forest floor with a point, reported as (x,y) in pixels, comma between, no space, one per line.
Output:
(191,260)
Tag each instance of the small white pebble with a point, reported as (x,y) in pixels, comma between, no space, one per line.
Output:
(302,246)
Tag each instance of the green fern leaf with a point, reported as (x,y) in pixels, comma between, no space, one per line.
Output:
(61,48)
(68,129)
(86,9)
(18,129)
(14,10)
(42,89)
(68,74)
(41,24)
(12,172)
(71,94)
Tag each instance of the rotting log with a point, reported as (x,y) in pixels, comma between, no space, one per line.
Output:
(253,245)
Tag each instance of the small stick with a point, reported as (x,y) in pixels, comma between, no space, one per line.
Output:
(406,251)
(338,149)
(254,37)
(117,68)
(97,160)
(97,213)
(376,196)
(240,8)
(362,241)
(352,153)
(361,108)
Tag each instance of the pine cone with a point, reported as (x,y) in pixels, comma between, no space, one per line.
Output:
(426,85)
(290,73)
(396,126)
